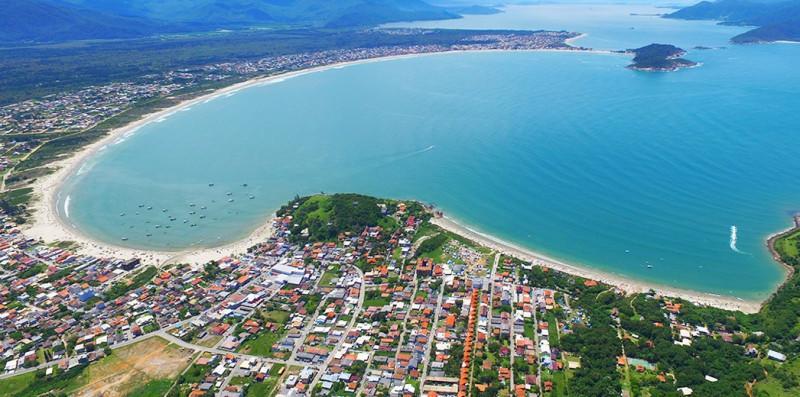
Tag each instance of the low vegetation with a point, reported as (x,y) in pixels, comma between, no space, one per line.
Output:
(146,368)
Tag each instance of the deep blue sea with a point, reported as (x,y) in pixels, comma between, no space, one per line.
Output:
(570,154)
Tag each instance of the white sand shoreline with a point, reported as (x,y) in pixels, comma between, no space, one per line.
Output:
(49,226)
(625,284)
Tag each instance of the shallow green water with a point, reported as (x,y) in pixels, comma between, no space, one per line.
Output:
(566,153)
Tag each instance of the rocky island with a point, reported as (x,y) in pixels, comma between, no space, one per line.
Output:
(659,58)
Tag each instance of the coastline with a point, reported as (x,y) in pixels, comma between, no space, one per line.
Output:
(49,226)
(46,223)
(776,256)
(628,285)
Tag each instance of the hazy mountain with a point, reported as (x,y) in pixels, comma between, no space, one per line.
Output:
(59,20)
(44,20)
(237,13)
(776,19)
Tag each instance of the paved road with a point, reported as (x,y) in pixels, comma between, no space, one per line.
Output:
(432,336)
(491,292)
(536,341)
(310,325)
(338,346)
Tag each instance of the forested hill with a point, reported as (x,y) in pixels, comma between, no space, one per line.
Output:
(775,19)
(61,20)
(42,20)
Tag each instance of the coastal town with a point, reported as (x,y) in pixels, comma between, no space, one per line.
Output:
(82,109)
(392,305)
(391,301)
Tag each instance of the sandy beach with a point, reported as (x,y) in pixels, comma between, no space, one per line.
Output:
(46,223)
(49,226)
(623,283)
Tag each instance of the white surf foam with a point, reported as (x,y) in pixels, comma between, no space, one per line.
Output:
(733,239)
(66,206)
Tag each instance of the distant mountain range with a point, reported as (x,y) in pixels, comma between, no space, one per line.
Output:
(61,20)
(775,19)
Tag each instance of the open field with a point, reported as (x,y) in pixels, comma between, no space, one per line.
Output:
(142,369)
(788,245)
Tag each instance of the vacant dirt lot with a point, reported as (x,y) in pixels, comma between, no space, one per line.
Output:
(131,367)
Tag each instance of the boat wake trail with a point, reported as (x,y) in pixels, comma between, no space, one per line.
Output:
(733,240)
(403,156)
(427,149)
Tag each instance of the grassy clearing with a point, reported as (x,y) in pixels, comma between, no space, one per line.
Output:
(145,368)
(777,381)
(18,196)
(275,316)
(328,276)
(788,245)
(13,385)
(210,340)
(156,387)
(268,387)
(378,301)
(261,345)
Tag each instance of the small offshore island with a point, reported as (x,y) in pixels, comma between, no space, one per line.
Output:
(660,58)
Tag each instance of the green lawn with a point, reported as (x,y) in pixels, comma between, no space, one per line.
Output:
(275,316)
(27,385)
(18,196)
(552,328)
(15,384)
(261,345)
(329,275)
(377,301)
(266,388)
(153,388)
(788,245)
(773,387)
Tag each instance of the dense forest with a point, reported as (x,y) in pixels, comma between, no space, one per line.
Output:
(324,217)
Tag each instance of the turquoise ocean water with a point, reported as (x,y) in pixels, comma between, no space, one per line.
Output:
(569,154)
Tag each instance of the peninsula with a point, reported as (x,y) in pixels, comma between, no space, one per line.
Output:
(777,20)
(356,294)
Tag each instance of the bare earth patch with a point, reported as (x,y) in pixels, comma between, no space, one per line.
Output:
(131,367)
